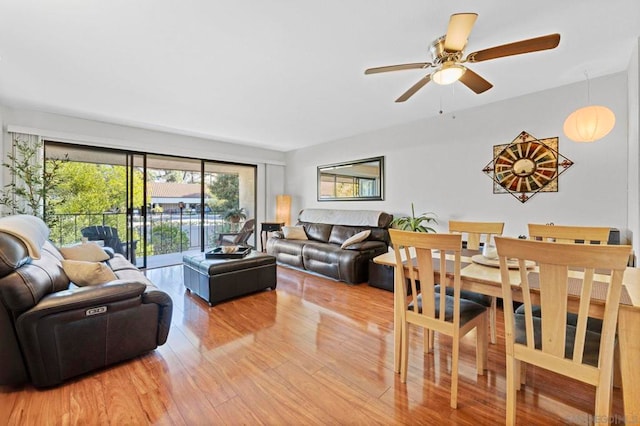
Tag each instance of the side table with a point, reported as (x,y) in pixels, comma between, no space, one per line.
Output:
(267,227)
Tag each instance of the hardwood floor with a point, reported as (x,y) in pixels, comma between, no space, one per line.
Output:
(312,352)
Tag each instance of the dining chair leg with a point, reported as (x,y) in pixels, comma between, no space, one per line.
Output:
(397,309)
(512,383)
(604,389)
(454,370)
(617,373)
(404,352)
(431,341)
(482,346)
(493,312)
(521,373)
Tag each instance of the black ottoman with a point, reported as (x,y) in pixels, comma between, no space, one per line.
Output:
(216,280)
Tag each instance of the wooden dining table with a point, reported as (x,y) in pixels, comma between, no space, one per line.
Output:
(485,279)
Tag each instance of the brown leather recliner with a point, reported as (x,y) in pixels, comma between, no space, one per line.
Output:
(51,330)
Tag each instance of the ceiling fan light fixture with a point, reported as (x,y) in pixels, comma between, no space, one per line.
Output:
(590,123)
(448,73)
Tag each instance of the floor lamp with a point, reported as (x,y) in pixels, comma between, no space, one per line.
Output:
(283,209)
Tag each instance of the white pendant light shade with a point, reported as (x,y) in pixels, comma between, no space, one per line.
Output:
(589,124)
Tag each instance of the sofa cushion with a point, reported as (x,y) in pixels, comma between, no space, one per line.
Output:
(88,252)
(356,238)
(318,231)
(288,252)
(340,233)
(294,233)
(84,273)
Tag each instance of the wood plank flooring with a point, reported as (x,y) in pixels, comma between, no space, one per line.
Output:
(313,352)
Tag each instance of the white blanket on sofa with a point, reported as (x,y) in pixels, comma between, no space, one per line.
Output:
(31,230)
(341,217)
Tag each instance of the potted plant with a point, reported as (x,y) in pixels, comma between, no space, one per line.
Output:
(414,223)
(235,214)
(30,181)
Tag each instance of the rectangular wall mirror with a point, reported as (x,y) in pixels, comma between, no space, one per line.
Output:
(352,180)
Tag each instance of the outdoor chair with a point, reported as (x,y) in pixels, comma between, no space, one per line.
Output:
(109,235)
(237,238)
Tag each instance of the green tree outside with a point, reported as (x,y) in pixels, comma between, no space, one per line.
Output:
(94,188)
(86,191)
(225,190)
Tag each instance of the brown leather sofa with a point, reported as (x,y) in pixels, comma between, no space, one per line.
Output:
(52,330)
(326,230)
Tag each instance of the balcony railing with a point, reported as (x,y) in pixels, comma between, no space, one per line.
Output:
(166,232)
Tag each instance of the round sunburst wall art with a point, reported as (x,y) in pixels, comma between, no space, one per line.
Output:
(526,166)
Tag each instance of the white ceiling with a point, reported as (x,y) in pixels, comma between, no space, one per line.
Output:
(285,74)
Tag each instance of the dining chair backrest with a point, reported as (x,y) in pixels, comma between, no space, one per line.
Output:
(569,234)
(424,245)
(564,273)
(477,232)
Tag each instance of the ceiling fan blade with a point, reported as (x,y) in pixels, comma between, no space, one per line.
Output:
(413,89)
(550,41)
(416,65)
(460,25)
(474,82)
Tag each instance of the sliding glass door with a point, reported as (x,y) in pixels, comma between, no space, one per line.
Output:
(136,211)
(93,200)
(150,208)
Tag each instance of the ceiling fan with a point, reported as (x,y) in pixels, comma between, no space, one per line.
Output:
(447,54)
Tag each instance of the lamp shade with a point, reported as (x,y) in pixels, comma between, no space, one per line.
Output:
(448,73)
(589,124)
(283,209)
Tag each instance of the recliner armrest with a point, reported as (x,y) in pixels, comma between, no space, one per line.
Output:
(165,304)
(88,296)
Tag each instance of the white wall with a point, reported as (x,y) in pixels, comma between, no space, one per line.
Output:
(275,178)
(437,162)
(634,150)
(95,133)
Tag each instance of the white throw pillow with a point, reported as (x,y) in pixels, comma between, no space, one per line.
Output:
(87,273)
(88,252)
(360,236)
(294,233)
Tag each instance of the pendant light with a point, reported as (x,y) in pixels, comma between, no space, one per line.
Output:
(590,123)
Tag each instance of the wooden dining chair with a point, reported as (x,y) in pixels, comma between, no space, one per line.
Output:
(569,234)
(478,233)
(548,341)
(431,309)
